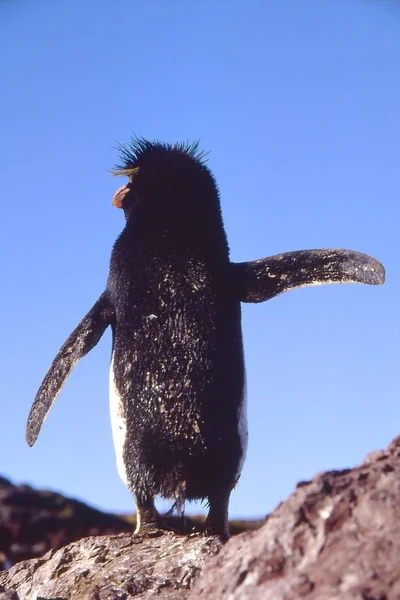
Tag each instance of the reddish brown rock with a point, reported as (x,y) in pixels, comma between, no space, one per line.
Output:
(114,568)
(32,522)
(337,537)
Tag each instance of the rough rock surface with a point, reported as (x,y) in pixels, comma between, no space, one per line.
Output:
(32,522)
(7,594)
(118,567)
(336,537)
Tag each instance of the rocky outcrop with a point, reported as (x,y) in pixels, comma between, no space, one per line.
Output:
(336,537)
(115,567)
(32,522)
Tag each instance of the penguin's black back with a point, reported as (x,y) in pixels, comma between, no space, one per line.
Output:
(177,348)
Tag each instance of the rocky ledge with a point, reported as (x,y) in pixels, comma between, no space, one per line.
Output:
(35,521)
(336,537)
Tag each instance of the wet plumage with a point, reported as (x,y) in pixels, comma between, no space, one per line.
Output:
(173,302)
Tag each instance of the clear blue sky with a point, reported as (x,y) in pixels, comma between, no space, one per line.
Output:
(298,102)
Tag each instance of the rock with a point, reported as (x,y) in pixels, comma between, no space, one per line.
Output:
(336,537)
(32,522)
(7,594)
(121,567)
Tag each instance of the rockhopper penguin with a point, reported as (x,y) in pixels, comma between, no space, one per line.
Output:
(173,302)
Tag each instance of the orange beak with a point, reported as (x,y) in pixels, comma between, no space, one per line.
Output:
(119,196)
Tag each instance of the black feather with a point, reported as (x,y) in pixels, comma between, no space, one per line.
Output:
(130,154)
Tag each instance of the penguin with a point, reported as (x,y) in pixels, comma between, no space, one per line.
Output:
(173,301)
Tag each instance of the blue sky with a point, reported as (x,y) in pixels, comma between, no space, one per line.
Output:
(298,102)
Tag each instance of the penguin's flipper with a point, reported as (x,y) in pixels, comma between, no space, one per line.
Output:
(265,278)
(84,337)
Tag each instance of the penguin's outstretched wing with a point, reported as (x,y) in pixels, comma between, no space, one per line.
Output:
(80,342)
(265,278)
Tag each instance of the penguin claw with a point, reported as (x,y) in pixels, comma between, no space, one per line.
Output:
(148,533)
(209,531)
(179,524)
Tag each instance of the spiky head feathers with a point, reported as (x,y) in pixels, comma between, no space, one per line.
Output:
(170,180)
(140,149)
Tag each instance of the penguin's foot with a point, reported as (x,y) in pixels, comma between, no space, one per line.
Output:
(217,519)
(150,533)
(147,516)
(211,529)
(179,524)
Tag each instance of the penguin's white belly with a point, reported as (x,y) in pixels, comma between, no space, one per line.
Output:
(118,424)
(242,430)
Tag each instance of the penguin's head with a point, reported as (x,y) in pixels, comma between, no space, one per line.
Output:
(169,185)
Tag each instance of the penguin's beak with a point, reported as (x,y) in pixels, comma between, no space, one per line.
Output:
(119,196)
